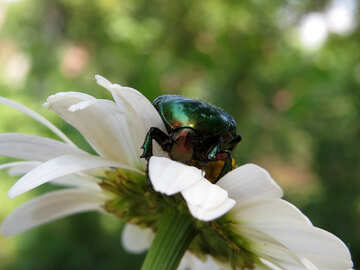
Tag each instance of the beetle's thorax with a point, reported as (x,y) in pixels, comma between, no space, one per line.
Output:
(178,111)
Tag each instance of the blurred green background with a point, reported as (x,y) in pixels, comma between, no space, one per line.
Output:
(288,71)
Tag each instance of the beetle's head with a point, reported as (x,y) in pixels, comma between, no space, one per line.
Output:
(184,140)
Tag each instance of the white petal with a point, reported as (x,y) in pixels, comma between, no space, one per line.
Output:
(19,167)
(190,262)
(255,216)
(48,207)
(35,116)
(67,99)
(262,267)
(134,101)
(81,105)
(250,183)
(205,194)
(136,239)
(205,200)
(309,265)
(140,112)
(76,180)
(58,167)
(270,212)
(31,147)
(270,249)
(170,177)
(270,265)
(263,222)
(211,214)
(101,122)
(285,224)
(320,247)
(100,80)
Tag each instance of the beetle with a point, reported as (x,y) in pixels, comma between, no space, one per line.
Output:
(199,134)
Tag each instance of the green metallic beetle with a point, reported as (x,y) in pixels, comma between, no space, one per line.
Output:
(198,133)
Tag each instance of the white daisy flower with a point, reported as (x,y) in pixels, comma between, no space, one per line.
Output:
(241,221)
(261,223)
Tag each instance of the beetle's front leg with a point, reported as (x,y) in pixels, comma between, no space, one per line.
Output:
(216,153)
(160,137)
(226,156)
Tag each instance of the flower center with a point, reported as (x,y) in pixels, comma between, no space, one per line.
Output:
(133,200)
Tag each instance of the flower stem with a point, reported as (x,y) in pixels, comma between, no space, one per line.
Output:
(173,237)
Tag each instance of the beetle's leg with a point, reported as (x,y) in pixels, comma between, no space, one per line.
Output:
(160,137)
(147,174)
(226,156)
(204,165)
(217,154)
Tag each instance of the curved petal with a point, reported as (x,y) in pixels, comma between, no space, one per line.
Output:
(272,266)
(31,147)
(58,167)
(101,122)
(140,112)
(205,194)
(136,239)
(207,201)
(19,167)
(77,180)
(48,207)
(170,177)
(270,249)
(262,266)
(250,183)
(291,238)
(204,214)
(35,116)
(309,265)
(270,212)
(321,248)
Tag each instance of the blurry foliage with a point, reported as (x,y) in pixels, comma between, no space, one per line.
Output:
(298,111)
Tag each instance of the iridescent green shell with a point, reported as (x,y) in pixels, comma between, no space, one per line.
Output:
(177,111)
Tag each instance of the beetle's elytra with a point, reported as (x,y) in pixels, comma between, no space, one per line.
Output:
(199,134)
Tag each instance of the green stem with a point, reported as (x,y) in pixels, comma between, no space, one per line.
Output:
(173,237)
